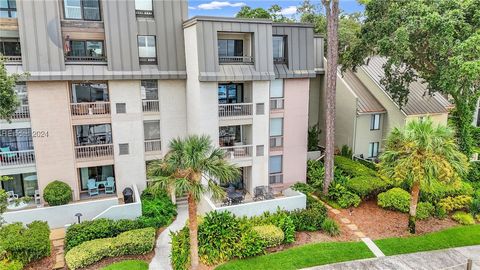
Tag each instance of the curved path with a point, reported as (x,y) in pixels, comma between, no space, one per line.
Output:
(161,260)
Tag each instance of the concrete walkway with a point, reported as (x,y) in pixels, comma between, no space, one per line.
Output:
(447,259)
(161,260)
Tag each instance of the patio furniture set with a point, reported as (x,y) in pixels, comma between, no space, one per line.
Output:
(237,197)
(94,185)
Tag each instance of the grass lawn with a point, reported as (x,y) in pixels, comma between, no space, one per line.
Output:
(128,265)
(303,256)
(449,238)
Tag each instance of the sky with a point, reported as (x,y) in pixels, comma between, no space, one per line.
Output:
(231,7)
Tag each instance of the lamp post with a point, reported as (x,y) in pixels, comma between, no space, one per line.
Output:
(78,215)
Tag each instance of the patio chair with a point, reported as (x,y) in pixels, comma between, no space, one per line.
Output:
(258,194)
(268,193)
(37,197)
(11,196)
(92,187)
(110,185)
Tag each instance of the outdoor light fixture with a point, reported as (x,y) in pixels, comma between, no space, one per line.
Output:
(78,215)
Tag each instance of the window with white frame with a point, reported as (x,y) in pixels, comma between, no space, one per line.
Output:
(88,10)
(144,5)
(375,122)
(276,94)
(279,56)
(276,132)
(373,149)
(147,51)
(275,169)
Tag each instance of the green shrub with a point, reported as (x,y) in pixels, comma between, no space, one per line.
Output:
(304,188)
(100,228)
(309,219)
(353,168)
(342,196)
(180,254)
(463,218)
(330,227)
(475,206)
(25,244)
(440,212)
(474,173)
(455,203)
(280,219)
(365,186)
(395,199)
(133,242)
(424,210)
(270,234)
(250,244)
(346,151)
(6,264)
(57,193)
(438,191)
(315,174)
(157,209)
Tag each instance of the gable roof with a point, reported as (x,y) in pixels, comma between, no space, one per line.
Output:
(367,103)
(419,101)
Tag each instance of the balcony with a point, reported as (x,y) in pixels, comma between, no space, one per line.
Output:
(17,158)
(150,105)
(85,59)
(236,59)
(90,108)
(238,151)
(280,60)
(276,143)
(144,13)
(153,146)
(99,151)
(22,112)
(147,60)
(13,59)
(277,104)
(235,110)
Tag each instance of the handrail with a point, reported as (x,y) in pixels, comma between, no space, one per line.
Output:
(239,151)
(17,158)
(277,103)
(153,145)
(70,58)
(93,151)
(150,105)
(90,108)
(235,109)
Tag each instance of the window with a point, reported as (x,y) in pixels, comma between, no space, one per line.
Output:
(21,91)
(373,149)
(121,107)
(89,92)
(260,108)
(147,51)
(230,135)
(230,93)
(230,47)
(144,8)
(99,173)
(276,132)
(123,149)
(375,122)
(279,43)
(151,130)
(8,9)
(19,139)
(93,134)
(260,150)
(23,184)
(275,167)
(276,88)
(149,89)
(10,47)
(89,50)
(88,10)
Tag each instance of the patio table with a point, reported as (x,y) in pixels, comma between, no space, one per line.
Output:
(98,183)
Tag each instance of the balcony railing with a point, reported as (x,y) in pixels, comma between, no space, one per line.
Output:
(22,112)
(151,105)
(94,151)
(276,142)
(235,110)
(17,158)
(240,151)
(85,58)
(90,108)
(144,13)
(12,59)
(235,59)
(153,145)
(275,178)
(147,60)
(276,104)
(280,60)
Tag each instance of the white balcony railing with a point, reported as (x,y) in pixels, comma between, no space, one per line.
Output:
(276,142)
(13,59)
(94,151)
(22,112)
(240,151)
(17,158)
(153,146)
(151,105)
(84,59)
(276,104)
(235,110)
(90,108)
(235,59)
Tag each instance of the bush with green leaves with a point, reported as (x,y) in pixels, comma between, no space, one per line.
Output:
(6,264)
(353,168)
(330,227)
(346,151)
(395,199)
(342,196)
(133,242)
(474,173)
(365,186)
(25,243)
(475,206)
(424,210)
(309,219)
(304,188)
(280,219)
(271,235)
(463,218)
(438,191)
(158,209)
(57,193)
(462,202)
(315,174)
(180,254)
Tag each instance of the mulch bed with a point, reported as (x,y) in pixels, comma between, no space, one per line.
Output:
(45,263)
(377,222)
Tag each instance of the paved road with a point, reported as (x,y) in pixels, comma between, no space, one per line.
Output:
(161,261)
(447,259)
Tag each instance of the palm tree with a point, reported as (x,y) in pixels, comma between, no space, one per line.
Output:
(189,168)
(422,154)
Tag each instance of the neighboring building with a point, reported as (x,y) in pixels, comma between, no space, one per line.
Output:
(112,82)
(366,113)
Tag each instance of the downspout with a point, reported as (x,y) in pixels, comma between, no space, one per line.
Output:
(355,129)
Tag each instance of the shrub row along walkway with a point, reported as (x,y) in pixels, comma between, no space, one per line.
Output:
(454,258)
(161,260)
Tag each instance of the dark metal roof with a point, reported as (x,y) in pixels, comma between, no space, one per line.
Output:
(367,103)
(419,101)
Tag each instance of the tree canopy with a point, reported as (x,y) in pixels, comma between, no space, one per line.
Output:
(272,13)
(432,41)
(8,98)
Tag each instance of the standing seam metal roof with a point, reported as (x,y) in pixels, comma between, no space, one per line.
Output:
(367,103)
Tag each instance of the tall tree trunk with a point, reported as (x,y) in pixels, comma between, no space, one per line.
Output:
(412,218)
(193,230)
(332,10)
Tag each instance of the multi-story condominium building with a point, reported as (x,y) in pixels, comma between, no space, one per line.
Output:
(112,82)
(366,113)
